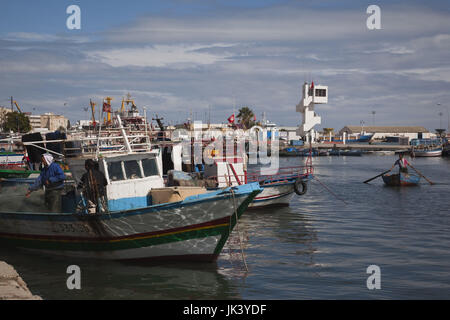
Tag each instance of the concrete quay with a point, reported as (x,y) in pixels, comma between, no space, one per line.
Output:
(362,146)
(12,286)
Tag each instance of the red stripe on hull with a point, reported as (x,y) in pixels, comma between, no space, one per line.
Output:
(106,239)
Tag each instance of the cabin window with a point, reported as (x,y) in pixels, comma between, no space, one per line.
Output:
(150,167)
(321,92)
(132,169)
(115,171)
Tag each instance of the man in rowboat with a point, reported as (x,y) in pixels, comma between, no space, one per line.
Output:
(52,177)
(402,164)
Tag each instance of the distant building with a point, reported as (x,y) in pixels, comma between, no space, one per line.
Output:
(289,133)
(3,112)
(35,121)
(47,122)
(381,132)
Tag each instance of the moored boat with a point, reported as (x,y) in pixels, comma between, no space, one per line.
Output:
(138,217)
(427,152)
(135,226)
(277,188)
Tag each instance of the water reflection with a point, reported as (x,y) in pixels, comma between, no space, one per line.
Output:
(46,276)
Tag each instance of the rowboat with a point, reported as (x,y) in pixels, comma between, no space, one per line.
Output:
(401,179)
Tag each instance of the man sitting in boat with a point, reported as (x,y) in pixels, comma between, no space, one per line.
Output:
(93,184)
(402,164)
(52,177)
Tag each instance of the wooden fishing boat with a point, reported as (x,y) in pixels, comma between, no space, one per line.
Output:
(24,176)
(139,224)
(401,179)
(10,160)
(18,173)
(138,218)
(278,188)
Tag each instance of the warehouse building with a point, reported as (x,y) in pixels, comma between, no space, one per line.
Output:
(382,132)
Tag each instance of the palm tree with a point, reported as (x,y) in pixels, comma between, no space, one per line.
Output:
(246,117)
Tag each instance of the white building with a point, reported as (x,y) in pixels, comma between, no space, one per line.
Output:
(381,132)
(311,95)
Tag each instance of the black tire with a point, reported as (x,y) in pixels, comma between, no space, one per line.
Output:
(300,187)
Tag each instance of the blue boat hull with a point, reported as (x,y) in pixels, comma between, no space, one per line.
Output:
(401,179)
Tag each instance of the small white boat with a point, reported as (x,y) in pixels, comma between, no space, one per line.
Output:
(427,152)
(277,189)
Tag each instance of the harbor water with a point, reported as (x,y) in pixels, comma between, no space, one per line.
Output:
(317,248)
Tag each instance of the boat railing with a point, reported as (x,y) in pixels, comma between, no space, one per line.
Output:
(283,174)
(88,145)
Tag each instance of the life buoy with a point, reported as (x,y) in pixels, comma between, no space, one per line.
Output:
(300,187)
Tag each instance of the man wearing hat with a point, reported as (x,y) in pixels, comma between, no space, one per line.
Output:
(52,177)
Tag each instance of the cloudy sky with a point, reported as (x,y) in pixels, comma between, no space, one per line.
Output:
(180,57)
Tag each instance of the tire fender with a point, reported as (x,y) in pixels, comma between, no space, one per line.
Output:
(300,187)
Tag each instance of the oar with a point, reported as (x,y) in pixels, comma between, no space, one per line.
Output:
(376,176)
(430,182)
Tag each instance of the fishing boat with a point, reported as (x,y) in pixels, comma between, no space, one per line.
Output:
(426,147)
(446,149)
(426,152)
(141,219)
(363,138)
(18,173)
(401,179)
(10,159)
(338,152)
(278,187)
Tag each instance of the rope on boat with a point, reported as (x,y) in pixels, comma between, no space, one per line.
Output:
(315,177)
(239,233)
(237,220)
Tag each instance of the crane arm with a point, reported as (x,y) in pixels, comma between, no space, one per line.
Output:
(17,106)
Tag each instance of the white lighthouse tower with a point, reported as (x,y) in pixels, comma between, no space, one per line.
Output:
(311,95)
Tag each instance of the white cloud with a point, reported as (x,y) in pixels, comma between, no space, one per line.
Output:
(43,37)
(178,56)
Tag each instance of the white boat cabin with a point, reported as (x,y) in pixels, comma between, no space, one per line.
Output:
(130,178)
(228,171)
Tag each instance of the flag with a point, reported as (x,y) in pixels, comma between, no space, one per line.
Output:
(231,118)
(106,107)
(312,84)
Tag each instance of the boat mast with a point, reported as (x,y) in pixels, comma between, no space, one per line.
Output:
(124,134)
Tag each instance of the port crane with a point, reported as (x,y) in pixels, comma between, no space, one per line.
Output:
(93,104)
(128,100)
(14,102)
(107,101)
